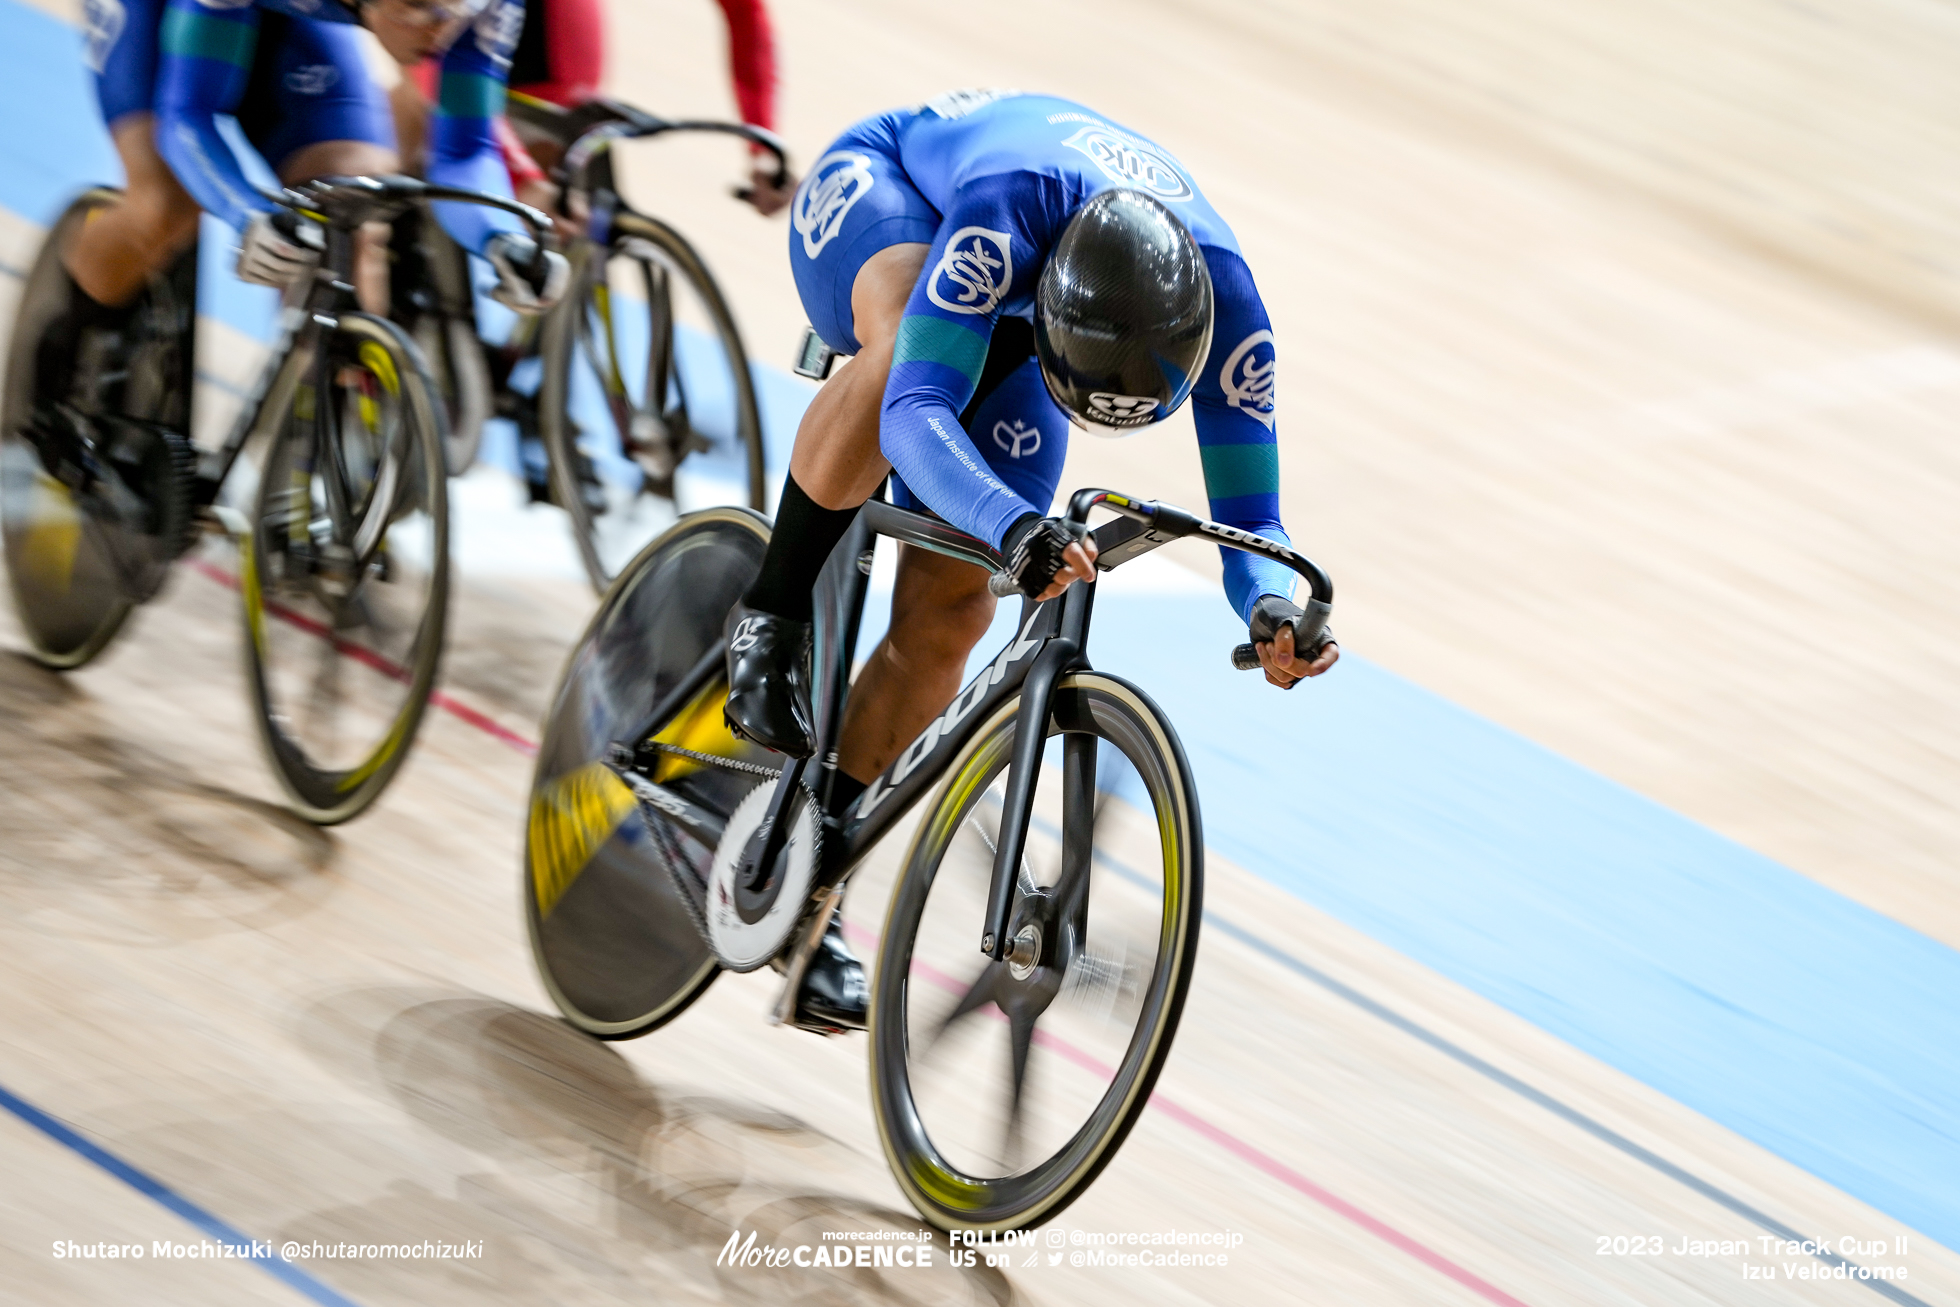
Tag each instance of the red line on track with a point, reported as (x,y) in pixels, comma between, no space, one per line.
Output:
(369,658)
(1184,1116)
(1240,1149)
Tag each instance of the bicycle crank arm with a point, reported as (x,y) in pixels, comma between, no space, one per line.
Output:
(659,802)
(808,941)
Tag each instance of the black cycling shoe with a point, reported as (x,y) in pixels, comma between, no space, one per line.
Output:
(768,684)
(834,996)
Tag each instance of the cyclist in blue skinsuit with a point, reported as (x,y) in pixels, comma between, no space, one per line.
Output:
(292,74)
(1000,265)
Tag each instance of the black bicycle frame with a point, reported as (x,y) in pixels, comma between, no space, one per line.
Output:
(341,206)
(1051,640)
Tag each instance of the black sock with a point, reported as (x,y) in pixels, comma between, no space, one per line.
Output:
(804,535)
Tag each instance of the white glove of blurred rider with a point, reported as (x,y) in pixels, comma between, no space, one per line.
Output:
(270,256)
(529,279)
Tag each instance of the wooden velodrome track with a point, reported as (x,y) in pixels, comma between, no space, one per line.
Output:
(1618,369)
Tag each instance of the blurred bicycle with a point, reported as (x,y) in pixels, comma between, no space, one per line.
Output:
(344,554)
(661,850)
(644,339)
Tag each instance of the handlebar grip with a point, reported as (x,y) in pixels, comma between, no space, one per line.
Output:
(1001,586)
(1310,634)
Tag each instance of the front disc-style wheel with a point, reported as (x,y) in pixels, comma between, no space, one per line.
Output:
(1002,1089)
(346,575)
(612,930)
(646,405)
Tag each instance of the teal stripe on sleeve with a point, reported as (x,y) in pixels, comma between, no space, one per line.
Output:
(191,35)
(1235,470)
(926,339)
(470,95)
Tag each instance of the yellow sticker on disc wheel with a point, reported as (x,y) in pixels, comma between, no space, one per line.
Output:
(571,819)
(53,536)
(699,728)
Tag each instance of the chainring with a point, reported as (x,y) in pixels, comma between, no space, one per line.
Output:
(746,929)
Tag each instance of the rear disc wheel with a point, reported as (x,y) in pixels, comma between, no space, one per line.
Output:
(613,935)
(85,547)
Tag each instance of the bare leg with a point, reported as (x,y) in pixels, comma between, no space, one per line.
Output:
(120,247)
(940,610)
(836,459)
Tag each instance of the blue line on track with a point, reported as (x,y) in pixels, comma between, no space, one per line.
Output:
(1821,1030)
(1490,1071)
(150,1187)
(1572,1115)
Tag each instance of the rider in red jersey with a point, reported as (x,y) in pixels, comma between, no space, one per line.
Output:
(560,58)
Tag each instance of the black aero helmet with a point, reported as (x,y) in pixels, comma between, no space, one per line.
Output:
(1123,313)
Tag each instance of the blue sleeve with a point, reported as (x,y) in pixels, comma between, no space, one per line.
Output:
(986,257)
(463,146)
(204,59)
(1232,404)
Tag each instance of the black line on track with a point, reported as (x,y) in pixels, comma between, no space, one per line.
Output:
(1564,1111)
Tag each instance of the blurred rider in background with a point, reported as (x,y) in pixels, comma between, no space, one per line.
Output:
(292,74)
(1000,266)
(560,58)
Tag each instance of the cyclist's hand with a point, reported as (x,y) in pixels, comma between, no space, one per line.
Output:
(540,193)
(1285,665)
(279,248)
(1045,558)
(529,279)
(768,198)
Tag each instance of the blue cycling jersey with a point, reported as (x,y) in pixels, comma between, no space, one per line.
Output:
(1007,171)
(206,59)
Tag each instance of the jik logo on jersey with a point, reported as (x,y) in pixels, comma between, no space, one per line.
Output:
(974,273)
(839,180)
(1247,377)
(958,104)
(312,79)
(1018,438)
(1128,161)
(104,20)
(497,29)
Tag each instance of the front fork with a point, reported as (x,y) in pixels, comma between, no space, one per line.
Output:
(1061,654)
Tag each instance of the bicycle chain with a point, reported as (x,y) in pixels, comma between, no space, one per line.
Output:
(716,760)
(664,845)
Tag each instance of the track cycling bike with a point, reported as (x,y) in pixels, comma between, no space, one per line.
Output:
(344,550)
(1062,837)
(644,341)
